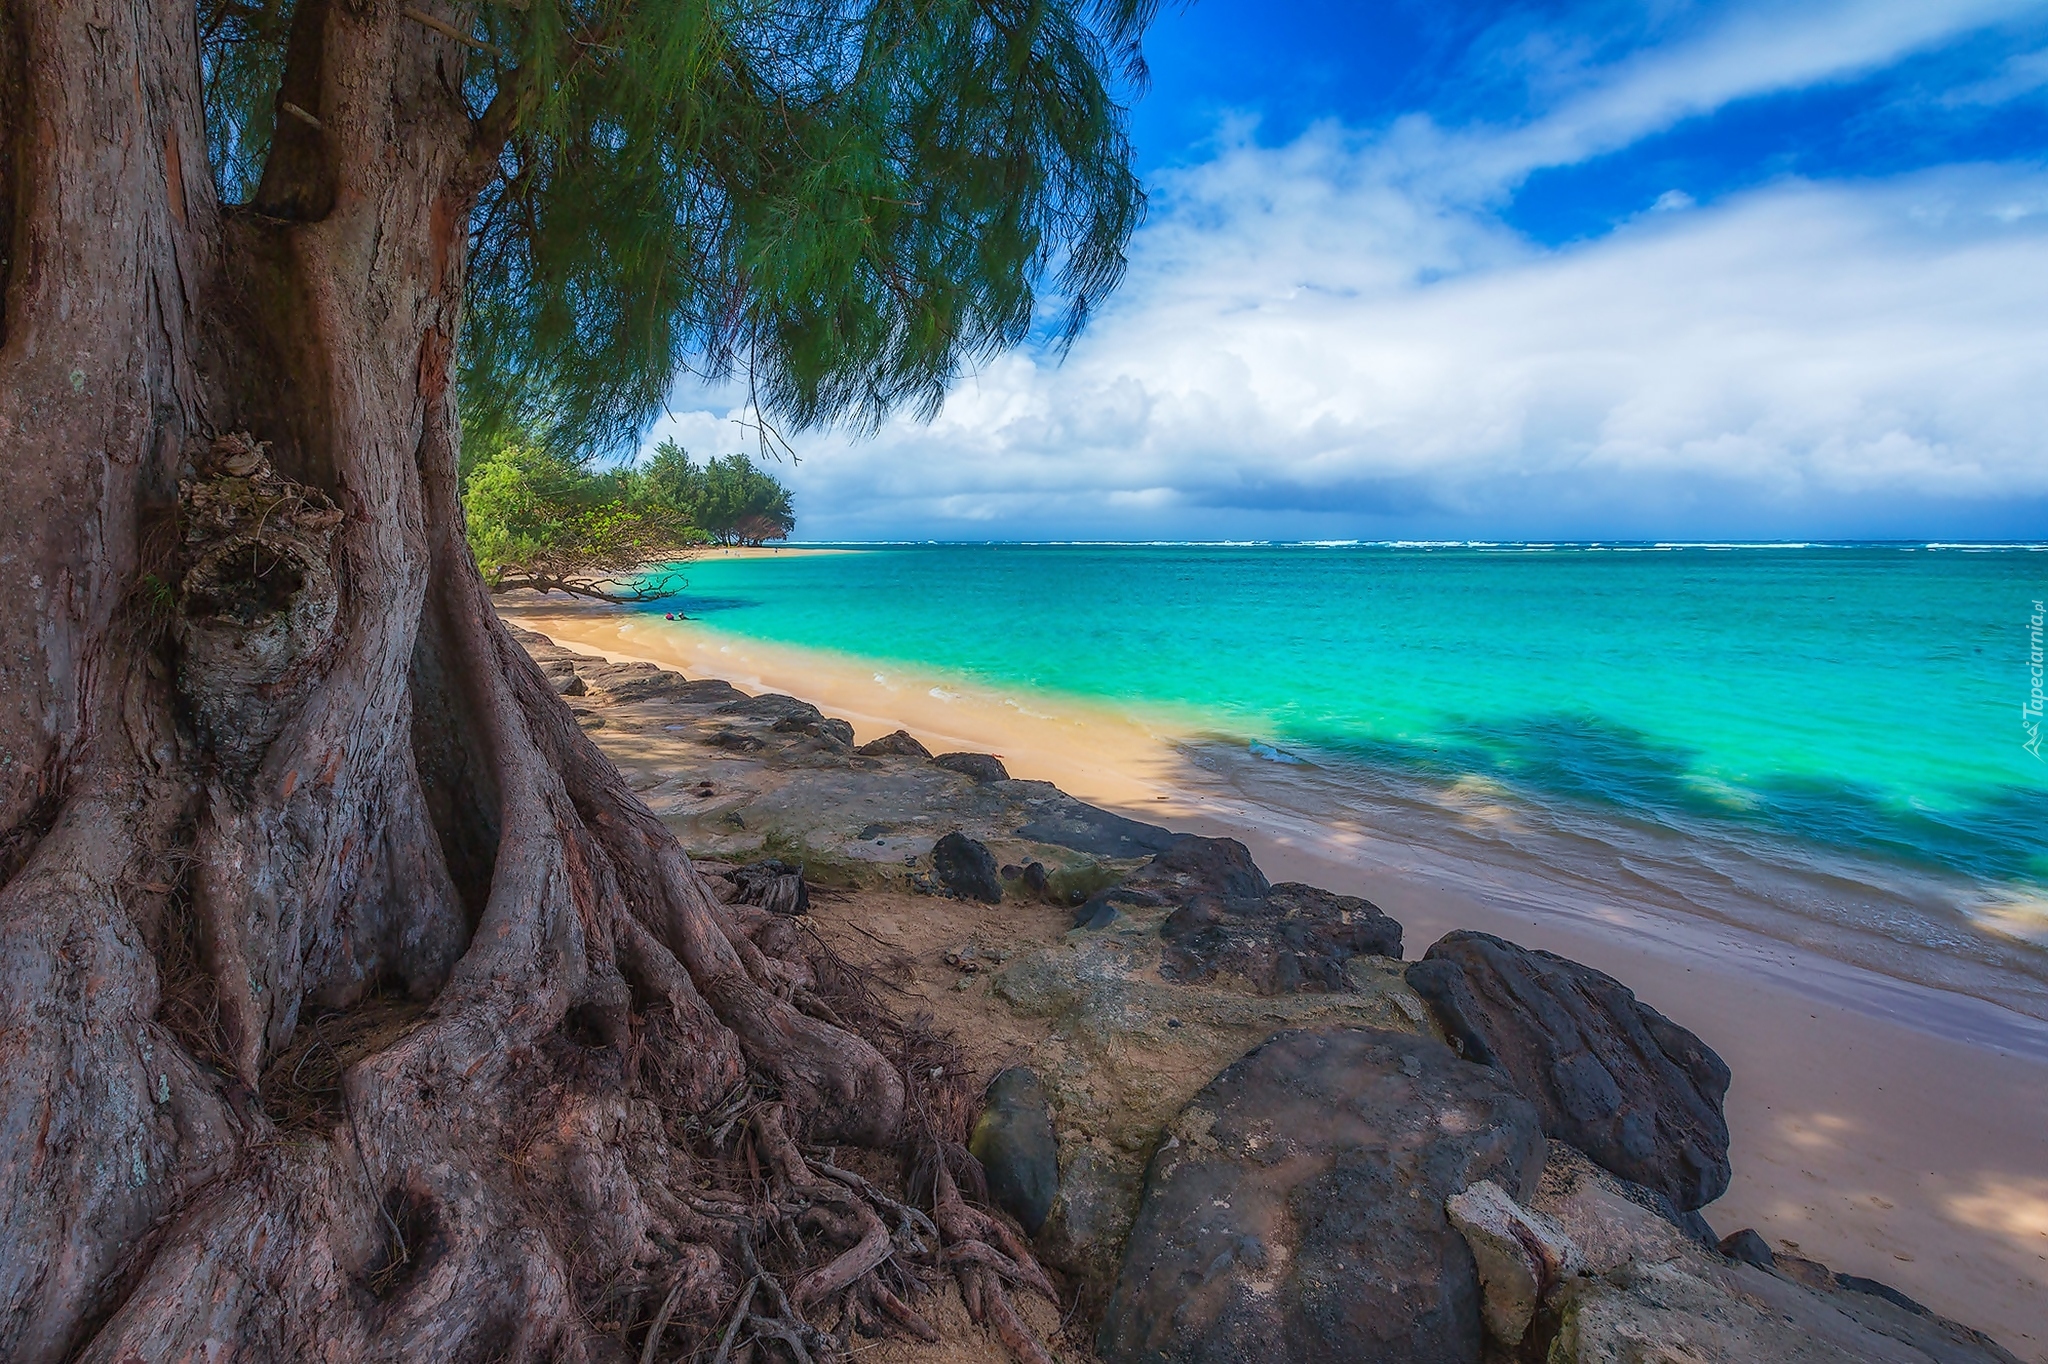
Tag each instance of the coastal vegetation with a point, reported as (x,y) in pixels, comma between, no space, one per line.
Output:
(355,1006)
(536,518)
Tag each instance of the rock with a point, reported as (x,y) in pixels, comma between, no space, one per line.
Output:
(645,687)
(1191,866)
(899,745)
(1068,823)
(1520,1255)
(980,766)
(1014,1142)
(1036,883)
(1296,1210)
(1749,1248)
(563,677)
(1226,918)
(1296,938)
(1128,1052)
(1612,1076)
(1671,1219)
(735,740)
(774,885)
(708,691)
(1648,1292)
(966,867)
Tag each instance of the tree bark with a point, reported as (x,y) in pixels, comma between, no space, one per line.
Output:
(281,798)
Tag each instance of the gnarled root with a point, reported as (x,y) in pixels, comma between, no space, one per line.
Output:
(983,1270)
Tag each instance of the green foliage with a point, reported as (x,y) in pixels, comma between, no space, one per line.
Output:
(728,499)
(839,201)
(536,519)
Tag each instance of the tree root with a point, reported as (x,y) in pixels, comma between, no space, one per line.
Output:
(868,1280)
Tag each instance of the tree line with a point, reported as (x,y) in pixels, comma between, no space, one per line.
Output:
(543,519)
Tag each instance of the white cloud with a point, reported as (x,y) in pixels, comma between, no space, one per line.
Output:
(1284,350)
(1755,49)
(1339,336)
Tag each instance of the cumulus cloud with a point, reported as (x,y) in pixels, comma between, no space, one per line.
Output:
(1340,337)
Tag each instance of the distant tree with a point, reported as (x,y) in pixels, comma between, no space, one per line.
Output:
(536,519)
(728,499)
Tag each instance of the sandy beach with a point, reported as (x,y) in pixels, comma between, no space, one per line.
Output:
(1885,1128)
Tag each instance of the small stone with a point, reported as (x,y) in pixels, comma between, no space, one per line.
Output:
(966,867)
(1520,1254)
(1014,1142)
(1749,1248)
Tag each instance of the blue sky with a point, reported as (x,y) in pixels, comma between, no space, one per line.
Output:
(1565,270)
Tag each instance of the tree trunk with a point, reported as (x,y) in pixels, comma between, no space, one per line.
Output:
(353,1006)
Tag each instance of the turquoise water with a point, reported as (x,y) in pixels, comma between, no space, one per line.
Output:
(1855,700)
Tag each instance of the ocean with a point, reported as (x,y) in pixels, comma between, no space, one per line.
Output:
(1826,744)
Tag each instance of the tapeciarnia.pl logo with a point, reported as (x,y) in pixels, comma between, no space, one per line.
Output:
(2030,714)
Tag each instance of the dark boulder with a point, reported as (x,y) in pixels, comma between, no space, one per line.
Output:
(1297,938)
(983,767)
(1191,866)
(1748,1247)
(1612,1076)
(1226,919)
(1014,1142)
(966,867)
(898,745)
(1295,1212)
(836,734)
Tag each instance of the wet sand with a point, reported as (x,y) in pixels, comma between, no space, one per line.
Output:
(1884,1128)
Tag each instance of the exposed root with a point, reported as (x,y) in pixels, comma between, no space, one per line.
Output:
(781,1204)
(983,1270)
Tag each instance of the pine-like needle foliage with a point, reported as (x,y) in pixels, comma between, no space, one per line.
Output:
(841,202)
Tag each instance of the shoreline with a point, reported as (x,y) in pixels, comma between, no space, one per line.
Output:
(1846,1082)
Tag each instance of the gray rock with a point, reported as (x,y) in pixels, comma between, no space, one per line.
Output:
(1749,1248)
(1014,1142)
(899,745)
(966,867)
(1296,1211)
(1612,1076)
(1521,1255)
(1068,823)
(980,766)
(646,686)
(836,733)
(1650,1292)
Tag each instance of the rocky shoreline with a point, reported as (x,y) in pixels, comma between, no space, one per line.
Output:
(1228,1113)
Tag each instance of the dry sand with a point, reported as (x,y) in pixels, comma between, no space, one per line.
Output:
(1882,1128)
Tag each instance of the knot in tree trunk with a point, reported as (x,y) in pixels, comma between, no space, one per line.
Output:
(257,600)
